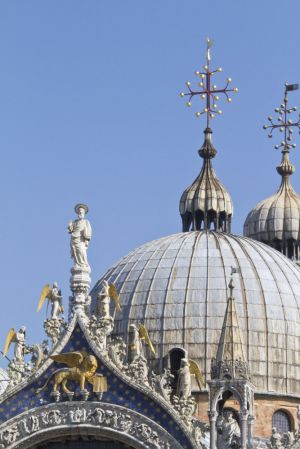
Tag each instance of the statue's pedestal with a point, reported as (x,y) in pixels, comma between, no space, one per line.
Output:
(80,283)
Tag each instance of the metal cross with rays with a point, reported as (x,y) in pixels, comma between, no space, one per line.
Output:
(209,91)
(284,124)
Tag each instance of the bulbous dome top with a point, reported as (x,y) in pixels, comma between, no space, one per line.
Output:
(276,220)
(177,287)
(206,202)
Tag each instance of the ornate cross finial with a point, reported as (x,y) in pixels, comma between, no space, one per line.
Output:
(284,124)
(209,92)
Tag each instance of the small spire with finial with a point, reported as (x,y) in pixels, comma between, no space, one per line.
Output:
(208,92)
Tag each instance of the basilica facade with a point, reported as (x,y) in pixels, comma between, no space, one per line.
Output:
(190,341)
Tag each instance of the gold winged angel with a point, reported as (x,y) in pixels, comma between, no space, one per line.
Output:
(138,335)
(54,298)
(188,368)
(18,338)
(107,292)
(82,367)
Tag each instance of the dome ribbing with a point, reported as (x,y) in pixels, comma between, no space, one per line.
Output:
(177,287)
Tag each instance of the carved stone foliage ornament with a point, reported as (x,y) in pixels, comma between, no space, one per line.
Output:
(54,328)
(186,408)
(116,420)
(162,383)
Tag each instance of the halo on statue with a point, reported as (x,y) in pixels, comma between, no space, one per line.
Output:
(82,206)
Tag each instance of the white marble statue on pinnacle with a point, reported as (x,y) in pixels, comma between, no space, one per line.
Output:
(81,232)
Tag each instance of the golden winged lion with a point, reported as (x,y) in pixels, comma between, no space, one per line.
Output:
(82,367)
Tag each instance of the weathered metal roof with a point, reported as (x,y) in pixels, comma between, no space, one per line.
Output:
(276,220)
(206,203)
(178,287)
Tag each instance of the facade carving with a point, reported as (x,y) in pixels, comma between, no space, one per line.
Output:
(54,327)
(118,419)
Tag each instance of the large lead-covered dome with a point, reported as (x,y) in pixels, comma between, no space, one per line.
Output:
(178,287)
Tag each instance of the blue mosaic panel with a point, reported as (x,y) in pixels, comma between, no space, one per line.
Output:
(118,393)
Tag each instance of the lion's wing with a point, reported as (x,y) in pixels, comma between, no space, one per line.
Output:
(71,359)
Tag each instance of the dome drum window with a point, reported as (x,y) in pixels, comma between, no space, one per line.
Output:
(282,422)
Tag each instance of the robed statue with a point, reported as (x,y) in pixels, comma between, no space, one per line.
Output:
(81,233)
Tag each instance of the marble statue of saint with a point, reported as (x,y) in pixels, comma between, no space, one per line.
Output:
(184,385)
(81,233)
(230,433)
(55,299)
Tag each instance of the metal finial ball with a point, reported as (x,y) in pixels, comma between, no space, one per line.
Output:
(265,127)
(181,94)
(197,114)
(188,83)
(189,104)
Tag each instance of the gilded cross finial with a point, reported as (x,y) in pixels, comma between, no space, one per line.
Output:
(208,92)
(284,124)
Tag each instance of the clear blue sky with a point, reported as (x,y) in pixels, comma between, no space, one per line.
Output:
(90,111)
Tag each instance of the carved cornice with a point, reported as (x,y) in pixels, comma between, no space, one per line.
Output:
(99,419)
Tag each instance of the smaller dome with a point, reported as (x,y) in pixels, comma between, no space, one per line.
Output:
(276,220)
(206,202)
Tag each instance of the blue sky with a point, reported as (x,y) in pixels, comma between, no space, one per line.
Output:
(90,111)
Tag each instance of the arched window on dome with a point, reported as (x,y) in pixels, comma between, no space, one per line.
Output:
(175,356)
(281,420)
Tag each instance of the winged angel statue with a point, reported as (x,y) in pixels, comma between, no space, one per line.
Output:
(188,368)
(54,298)
(138,335)
(18,338)
(107,292)
(82,367)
